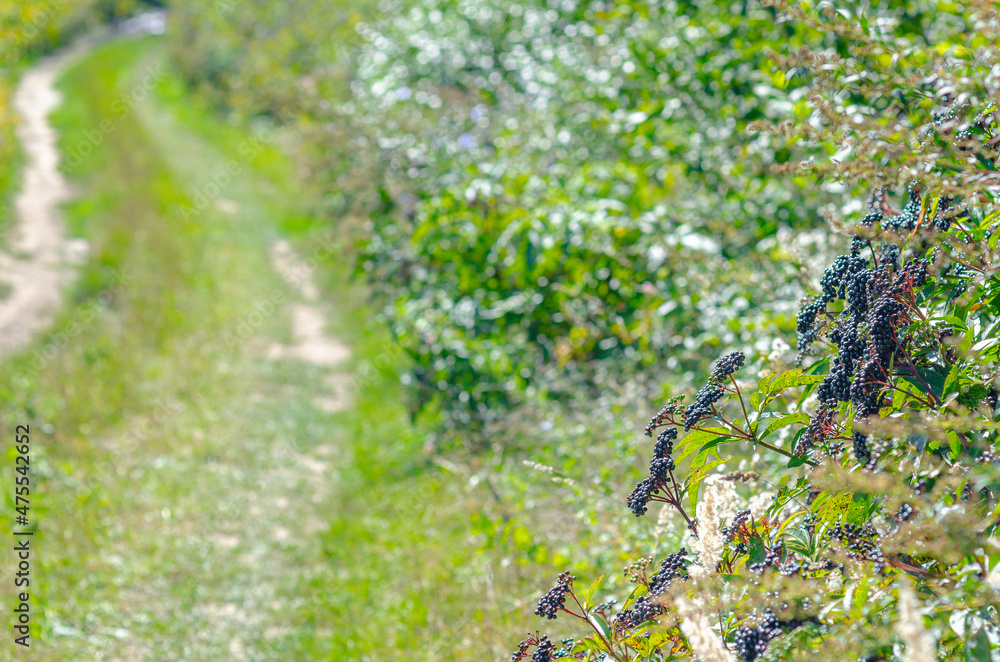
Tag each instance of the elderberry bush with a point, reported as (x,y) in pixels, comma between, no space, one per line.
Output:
(848,506)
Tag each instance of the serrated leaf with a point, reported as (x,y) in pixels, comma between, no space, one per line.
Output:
(788,419)
(699,474)
(693,441)
(765,383)
(590,591)
(794,378)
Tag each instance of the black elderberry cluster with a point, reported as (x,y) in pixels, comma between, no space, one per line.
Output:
(772,559)
(659,419)
(977,135)
(555,599)
(672,568)
(805,569)
(751,643)
(727,365)
(904,513)
(544,652)
(819,429)
(739,521)
(867,331)
(859,441)
(712,392)
(642,611)
(861,542)
(702,405)
(646,608)
(660,467)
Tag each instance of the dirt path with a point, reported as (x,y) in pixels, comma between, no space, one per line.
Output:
(37,259)
(221,487)
(34,262)
(311,345)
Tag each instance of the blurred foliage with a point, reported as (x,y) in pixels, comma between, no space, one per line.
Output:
(572,201)
(549,188)
(260,57)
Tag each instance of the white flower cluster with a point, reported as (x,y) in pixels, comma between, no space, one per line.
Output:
(720,501)
(910,628)
(705,642)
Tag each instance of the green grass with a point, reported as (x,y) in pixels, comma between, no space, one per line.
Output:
(191,502)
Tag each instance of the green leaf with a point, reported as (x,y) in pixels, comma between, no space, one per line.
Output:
(757,550)
(764,385)
(601,624)
(635,594)
(590,591)
(709,449)
(641,646)
(699,474)
(794,378)
(977,648)
(591,643)
(957,322)
(693,442)
(788,419)
(933,378)
(951,381)
(954,445)
(796,461)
